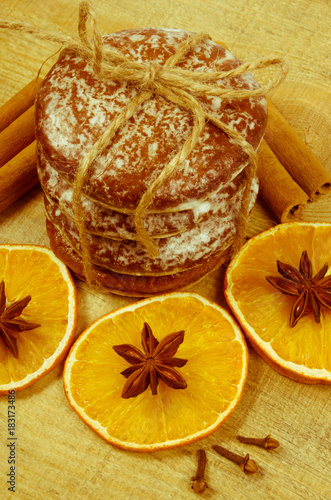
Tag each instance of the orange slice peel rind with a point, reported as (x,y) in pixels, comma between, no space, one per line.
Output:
(215,374)
(34,270)
(303,352)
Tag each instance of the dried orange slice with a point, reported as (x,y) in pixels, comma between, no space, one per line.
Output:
(38,314)
(215,373)
(301,352)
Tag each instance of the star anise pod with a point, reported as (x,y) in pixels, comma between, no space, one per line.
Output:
(312,292)
(10,323)
(154,363)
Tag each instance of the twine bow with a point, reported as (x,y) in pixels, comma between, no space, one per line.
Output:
(181,87)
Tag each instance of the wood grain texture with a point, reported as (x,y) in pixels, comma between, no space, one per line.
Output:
(58,456)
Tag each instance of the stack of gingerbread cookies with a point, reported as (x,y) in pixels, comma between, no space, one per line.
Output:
(192,217)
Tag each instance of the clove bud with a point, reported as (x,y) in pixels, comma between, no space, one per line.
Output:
(247,465)
(199,483)
(268,442)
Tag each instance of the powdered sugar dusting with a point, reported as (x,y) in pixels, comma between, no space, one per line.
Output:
(109,223)
(176,253)
(74,108)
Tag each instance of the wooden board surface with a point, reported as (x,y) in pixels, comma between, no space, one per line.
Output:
(58,457)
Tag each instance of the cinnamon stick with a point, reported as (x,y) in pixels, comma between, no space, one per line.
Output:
(17,136)
(289,174)
(19,103)
(281,193)
(17,145)
(295,155)
(18,176)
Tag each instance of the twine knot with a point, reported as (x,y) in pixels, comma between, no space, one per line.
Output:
(148,79)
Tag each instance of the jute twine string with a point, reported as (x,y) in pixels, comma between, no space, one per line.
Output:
(181,87)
